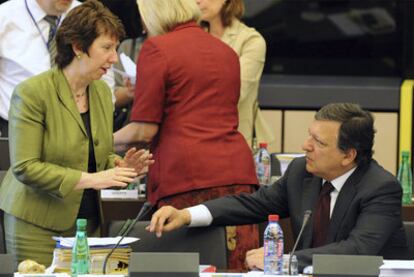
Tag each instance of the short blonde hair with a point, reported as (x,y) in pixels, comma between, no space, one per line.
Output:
(162,16)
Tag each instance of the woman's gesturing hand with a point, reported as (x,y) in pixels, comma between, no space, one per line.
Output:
(114,177)
(137,159)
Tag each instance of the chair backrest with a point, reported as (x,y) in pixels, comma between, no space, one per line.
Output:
(409,231)
(2,175)
(2,238)
(4,156)
(275,165)
(209,242)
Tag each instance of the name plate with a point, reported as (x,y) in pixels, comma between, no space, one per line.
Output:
(119,194)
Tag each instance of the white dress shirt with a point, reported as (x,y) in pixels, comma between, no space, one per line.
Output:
(23,52)
(201,216)
(338,183)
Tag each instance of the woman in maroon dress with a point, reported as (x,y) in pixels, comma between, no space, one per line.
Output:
(188,87)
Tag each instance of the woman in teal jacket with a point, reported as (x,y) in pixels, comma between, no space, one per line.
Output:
(61,142)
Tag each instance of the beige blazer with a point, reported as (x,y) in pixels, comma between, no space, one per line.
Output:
(49,149)
(251,49)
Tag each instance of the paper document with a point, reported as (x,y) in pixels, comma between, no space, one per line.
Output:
(398,264)
(130,68)
(46,274)
(397,268)
(68,242)
(125,75)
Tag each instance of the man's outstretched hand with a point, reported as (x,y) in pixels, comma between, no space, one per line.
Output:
(168,218)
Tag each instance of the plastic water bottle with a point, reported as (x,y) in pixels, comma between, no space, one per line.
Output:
(273,247)
(293,265)
(405,178)
(80,251)
(263,166)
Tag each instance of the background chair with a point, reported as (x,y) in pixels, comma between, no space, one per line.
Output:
(275,165)
(409,231)
(402,253)
(2,239)
(209,242)
(4,156)
(4,166)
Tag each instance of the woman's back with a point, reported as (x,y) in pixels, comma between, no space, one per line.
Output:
(189,83)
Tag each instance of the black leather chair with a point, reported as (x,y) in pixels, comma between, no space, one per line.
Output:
(275,165)
(209,242)
(402,253)
(409,231)
(2,239)
(4,156)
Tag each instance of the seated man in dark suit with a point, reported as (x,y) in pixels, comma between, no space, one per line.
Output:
(356,204)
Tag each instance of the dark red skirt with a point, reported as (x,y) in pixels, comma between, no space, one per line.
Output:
(240,239)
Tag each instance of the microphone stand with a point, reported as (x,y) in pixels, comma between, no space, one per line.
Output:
(306,218)
(143,212)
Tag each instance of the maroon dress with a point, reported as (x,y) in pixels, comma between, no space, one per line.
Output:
(188,83)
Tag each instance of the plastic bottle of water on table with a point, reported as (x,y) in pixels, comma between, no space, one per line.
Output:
(263,166)
(273,247)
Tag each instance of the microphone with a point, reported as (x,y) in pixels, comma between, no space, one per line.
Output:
(143,212)
(306,217)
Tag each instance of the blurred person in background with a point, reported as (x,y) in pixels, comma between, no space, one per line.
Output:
(124,87)
(221,19)
(28,45)
(61,142)
(127,11)
(187,90)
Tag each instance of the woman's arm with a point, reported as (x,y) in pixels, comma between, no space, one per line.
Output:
(147,111)
(50,172)
(114,177)
(252,59)
(135,133)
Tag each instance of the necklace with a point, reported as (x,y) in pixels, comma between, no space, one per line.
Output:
(79,95)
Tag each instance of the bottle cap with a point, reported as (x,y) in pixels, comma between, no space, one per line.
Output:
(273,217)
(405,154)
(263,145)
(81,223)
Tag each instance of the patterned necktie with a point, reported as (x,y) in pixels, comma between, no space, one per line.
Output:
(51,41)
(322,215)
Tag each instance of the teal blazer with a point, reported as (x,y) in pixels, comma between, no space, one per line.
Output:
(49,149)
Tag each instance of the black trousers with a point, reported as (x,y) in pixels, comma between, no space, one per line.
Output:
(4,128)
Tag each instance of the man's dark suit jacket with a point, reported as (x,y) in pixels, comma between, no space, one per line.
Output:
(366,219)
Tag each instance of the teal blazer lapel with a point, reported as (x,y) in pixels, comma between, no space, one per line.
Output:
(66,97)
(311,189)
